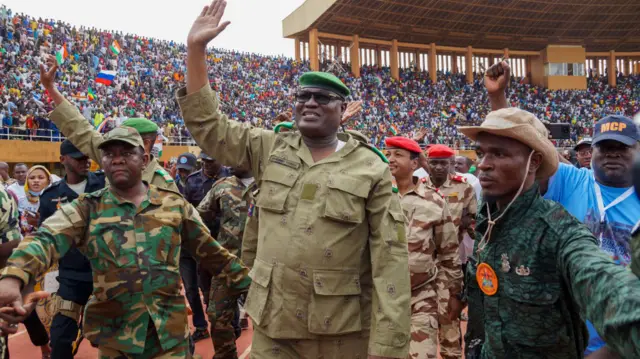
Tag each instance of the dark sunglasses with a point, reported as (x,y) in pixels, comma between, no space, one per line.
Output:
(320,98)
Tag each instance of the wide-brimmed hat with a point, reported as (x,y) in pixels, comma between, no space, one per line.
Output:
(522,126)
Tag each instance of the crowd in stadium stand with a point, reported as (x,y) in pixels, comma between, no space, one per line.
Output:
(254,88)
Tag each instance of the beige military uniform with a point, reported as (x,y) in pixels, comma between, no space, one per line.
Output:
(462,201)
(434,263)
(80,132)
(331,258)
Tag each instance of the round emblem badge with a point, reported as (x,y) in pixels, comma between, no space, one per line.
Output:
(487,279)
(183,160)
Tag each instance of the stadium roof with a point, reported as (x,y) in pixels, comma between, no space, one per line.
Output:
(599,25)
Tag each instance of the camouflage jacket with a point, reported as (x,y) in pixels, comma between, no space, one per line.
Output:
(549,274)
(331,233)
(635,250)
(432,238)
(134,255)
(461,199)
(228,198)
(87,139)
(9,218)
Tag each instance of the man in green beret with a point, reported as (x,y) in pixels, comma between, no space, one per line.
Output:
(330,263)
(87,139)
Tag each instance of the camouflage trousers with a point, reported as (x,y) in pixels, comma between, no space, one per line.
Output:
(221,312)
(348,346)
(424,323)
(448,330)
(152,350)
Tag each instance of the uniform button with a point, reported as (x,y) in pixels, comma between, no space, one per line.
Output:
(339,342)
(303,273)
(274,261)
(391,289)
(308,231)
(299,314)
(328,253)
(346,216)
(318,284)
(291,175)
(283,220)
(357,282)
(327,321)
(330,182)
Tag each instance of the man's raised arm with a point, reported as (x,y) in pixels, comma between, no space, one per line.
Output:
(67,117)
(232,143)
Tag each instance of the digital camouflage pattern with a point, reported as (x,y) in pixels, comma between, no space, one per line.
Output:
(635,250)
(462,202)
(87,139)
(434,263)
(9,231)
(551,274)
(331,234)
(228,200)
(134,255)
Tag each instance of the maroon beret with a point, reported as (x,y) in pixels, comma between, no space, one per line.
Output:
(403,143)
(440,151)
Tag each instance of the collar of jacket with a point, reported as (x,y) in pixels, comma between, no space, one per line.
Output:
(517,211)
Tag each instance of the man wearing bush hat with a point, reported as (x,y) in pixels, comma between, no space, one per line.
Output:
(537,271)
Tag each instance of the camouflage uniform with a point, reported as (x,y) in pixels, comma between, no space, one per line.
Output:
(331,255)
(5,184)
(434,264)
(136,309)
(550,274)
(80,132)
(9,231)
(229,198)
(462,201)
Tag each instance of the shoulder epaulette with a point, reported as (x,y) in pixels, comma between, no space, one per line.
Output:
(377,152)
(458,178)
(164,189)
(287,125)
(97,194)
(167,177)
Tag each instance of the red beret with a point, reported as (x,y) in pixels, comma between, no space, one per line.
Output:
(404,143)
(440,151)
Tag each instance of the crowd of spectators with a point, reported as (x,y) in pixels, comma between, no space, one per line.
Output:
(254,88)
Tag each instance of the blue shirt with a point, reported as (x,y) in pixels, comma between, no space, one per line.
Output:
(575,189)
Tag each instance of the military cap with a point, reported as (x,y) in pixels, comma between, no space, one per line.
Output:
(325,81)
(440,151)
(68,149)
(142,125)
(205,157)
(123,134)
(403,143)
(187,161)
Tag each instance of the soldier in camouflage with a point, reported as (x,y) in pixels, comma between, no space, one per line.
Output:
(131,232)
(5,179)
(88,140)
(434,260)
(330,272)
(228,200)
(462,203)
(9,239)
(538,271)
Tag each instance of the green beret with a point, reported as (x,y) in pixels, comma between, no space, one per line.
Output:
(326,81)
(142,125)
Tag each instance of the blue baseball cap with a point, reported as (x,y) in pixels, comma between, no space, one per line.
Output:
(616,128)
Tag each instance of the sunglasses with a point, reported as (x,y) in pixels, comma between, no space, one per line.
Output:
(320,98)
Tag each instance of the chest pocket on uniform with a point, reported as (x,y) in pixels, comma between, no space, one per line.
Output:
(165,226)
(531,316)
(346,199)
(277,182)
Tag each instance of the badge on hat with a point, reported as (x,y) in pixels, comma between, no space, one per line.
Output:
(183,160)
(487,279)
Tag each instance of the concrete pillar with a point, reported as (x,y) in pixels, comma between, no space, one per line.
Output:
(378,57)
(454,63)
(355,56)
(625,62)
(339,51)
(304,50)
(469,64)
(313,50)
(393,60)
(297,51)
(416,57)
(612,68)
(433,65)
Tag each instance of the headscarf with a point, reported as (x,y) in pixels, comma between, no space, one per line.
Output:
(34,197)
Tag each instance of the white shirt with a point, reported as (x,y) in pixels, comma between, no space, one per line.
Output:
(78,187)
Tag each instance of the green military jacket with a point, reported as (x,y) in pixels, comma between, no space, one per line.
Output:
(231,198)
(9,231)
(635,250)
(87,139)
(331,254)
(134,255)
(550,274)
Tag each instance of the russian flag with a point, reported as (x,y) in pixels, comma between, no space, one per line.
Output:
(106,77)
